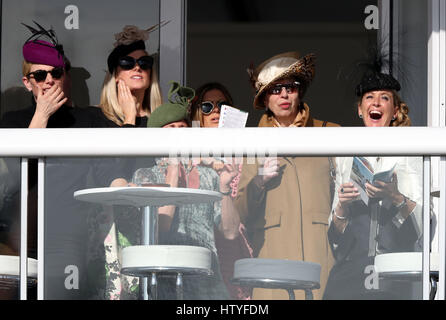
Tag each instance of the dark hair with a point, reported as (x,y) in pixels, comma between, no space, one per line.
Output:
(199,94)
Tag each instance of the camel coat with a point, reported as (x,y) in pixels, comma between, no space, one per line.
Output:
(288,217)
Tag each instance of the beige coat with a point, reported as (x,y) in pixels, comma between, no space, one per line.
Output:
(289,218)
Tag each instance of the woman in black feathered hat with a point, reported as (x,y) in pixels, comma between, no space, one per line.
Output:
(369,219)
(376,87)
(131,90)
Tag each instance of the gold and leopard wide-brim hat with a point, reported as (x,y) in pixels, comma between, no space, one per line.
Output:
(284,65)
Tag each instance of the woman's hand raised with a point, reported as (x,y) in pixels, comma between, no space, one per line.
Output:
(127,102)
(382,190)
(47,103)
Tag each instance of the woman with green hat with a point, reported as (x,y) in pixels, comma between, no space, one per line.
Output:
(191,224)
(185,225)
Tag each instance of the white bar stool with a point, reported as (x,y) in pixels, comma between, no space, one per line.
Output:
(10,274)
(407,266)
(152,260)
(289,275)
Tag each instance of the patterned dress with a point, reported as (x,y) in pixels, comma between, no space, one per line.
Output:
(192,225)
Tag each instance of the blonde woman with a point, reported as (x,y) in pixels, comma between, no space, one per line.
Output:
(131,89)
(391,220)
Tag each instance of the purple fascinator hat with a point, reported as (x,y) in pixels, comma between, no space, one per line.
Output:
(38,51)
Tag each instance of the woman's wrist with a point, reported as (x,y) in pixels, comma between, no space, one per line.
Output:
(129,119)
(342,218)
(339,212)
(398,200)
(39,120)
(225,190)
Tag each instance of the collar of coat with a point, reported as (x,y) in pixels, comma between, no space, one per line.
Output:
(303,119)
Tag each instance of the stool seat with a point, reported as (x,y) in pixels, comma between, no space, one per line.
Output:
(10,273)
(404,262)
(10,266)
(147,259)
(150,260)
(278,274)
(408,266)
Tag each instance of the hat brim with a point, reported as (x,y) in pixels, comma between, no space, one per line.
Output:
(121,51)
(303,69)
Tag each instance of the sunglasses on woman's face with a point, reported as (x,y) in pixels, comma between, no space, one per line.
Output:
(128,63)
(40,75)
(289,87)
(208,106)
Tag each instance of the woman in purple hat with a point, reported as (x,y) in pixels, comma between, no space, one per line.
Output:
(46,76)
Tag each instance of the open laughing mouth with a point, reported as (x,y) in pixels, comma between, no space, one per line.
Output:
(375,115)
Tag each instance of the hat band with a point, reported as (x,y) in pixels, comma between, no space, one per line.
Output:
(122,51)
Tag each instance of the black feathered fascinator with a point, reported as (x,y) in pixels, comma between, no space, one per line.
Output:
(373,78)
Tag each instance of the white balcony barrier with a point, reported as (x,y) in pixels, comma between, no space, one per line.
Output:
(416,141)
(301,142)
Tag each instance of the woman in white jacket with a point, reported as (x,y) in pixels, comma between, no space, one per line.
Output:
(391,219)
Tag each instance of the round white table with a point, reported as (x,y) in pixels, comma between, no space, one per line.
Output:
(147,199)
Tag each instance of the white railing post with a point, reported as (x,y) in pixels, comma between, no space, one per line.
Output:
(40,229)
(24,230)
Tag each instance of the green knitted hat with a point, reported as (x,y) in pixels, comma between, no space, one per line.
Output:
(174,110)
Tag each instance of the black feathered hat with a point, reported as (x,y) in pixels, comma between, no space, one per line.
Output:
(374,78)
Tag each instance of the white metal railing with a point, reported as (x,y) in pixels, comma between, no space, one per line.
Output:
(416,141)
(148,142)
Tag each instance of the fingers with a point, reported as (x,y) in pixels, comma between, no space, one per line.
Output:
(50,101)
(127,102)
(271,162)
(347,192)
(61,103)
(39,92)
(372,188)
(124,91)
(271,166)
(232,170)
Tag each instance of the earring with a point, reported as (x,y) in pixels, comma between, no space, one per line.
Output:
(393,118)
(360,116)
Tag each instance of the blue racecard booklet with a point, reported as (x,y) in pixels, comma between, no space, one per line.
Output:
(362,172)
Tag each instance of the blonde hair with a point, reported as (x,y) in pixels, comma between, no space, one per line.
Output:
(402,117)
(26,68)
(109,97)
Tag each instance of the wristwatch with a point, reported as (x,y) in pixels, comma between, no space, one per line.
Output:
(227,193)
(402,204)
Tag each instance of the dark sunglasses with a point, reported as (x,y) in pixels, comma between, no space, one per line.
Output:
(128,63)
(208,106)
(289,87)
(40,75)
